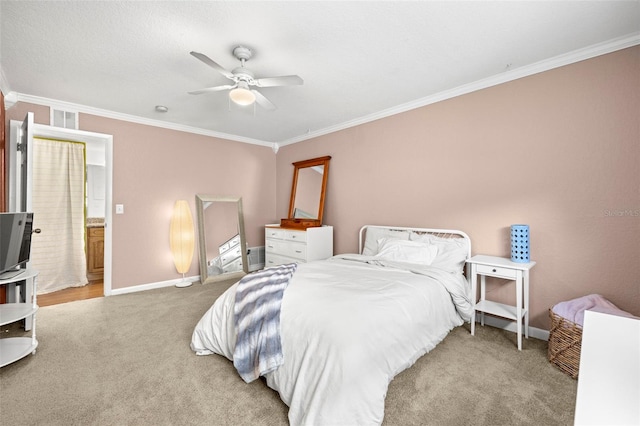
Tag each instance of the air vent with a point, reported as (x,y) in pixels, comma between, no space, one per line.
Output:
(66,119)
(256,258)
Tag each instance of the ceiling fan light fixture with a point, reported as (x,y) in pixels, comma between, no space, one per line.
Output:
(241,95)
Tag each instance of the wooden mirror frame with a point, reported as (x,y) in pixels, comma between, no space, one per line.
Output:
(205,278)
(291,221)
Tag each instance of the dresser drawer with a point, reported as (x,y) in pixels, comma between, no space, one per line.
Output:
(229,244)
(298,251)
(96,231)
(286,248)
(273,246)
(496,271)
(230,255)
(234,266)
(272,259)
(286,234)
(300,236)
(275,233)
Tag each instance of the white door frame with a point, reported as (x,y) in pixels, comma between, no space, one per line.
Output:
(100,140)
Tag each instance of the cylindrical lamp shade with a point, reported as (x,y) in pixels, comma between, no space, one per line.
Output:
(520,243)
(182,236)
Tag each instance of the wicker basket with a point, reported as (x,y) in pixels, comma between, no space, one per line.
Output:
(565,342)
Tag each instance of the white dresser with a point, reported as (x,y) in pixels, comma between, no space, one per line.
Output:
(231,255)
(285,245)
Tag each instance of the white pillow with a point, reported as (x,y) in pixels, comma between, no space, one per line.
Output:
(406,251)
(452,252)
(372,235)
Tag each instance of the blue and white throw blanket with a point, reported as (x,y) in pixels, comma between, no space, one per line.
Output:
(259,295)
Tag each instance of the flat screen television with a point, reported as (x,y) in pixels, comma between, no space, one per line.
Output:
(15,242)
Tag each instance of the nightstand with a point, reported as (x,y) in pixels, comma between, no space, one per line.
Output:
(500,267)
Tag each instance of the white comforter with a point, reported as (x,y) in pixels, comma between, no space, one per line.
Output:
(348,327)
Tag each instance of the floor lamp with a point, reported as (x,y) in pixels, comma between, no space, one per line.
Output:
(181,239)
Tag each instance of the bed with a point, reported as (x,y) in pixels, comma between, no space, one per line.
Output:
(351,323)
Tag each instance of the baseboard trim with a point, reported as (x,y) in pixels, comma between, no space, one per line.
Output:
(151,286)
(503,324)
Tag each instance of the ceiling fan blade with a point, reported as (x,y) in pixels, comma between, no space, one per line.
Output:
(285,80)
(213,89)
(212,64)
(262,101)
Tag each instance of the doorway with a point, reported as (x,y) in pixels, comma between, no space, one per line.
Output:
(100,145)
(92,219)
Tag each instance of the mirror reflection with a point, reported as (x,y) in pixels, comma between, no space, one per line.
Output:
(308,190)
(221,238)
(306,206)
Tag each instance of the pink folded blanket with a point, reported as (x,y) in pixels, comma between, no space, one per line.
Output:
(573,310)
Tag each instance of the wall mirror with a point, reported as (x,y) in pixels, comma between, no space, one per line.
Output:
(306,206)
(221,238)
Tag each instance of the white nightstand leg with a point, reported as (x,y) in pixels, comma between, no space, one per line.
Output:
(526,303)
(519,308)
(483,293)
(474,286)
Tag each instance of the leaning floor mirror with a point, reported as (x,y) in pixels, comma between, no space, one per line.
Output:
(221,238)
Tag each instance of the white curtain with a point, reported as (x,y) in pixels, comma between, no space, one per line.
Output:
(58,199)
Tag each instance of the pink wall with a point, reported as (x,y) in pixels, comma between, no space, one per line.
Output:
(154,167)
(559,151)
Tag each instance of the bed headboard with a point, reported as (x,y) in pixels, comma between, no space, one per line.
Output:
(443,233)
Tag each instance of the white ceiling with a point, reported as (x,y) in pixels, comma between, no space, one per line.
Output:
(360,60)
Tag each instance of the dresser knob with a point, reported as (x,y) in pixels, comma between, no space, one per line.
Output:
(494,270)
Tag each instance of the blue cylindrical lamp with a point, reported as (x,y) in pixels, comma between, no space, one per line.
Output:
(520,243)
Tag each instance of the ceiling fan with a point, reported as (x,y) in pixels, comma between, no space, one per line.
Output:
(241,91)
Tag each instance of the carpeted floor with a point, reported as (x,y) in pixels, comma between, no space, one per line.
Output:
(125,360)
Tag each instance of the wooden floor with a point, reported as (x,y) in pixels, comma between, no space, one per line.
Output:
(89,291)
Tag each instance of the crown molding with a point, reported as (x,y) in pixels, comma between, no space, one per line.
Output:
(71,107)
(514,74)
(9,96)
(10,99)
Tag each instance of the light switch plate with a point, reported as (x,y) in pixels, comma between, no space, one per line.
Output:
(119,208)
